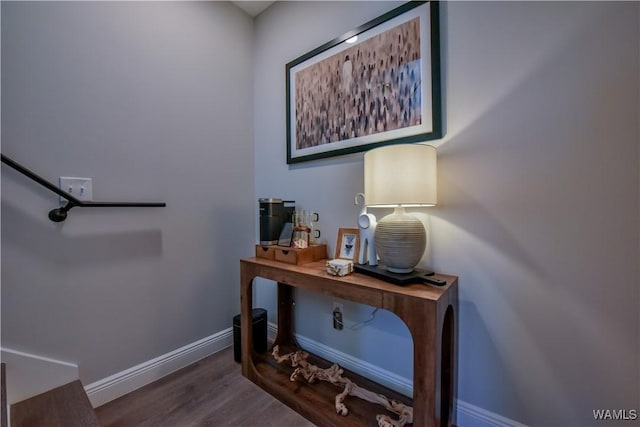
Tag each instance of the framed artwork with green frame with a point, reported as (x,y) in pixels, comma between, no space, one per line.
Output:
(378,84)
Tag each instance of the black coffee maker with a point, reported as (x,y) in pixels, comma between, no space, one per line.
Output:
(274,213)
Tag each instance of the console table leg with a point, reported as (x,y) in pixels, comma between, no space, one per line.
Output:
(285,316)
(433,331)
(425,352)
(447,367)
(246,321)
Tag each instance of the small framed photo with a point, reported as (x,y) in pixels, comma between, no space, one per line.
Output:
(348,244)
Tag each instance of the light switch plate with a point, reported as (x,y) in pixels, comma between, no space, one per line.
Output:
(80,188)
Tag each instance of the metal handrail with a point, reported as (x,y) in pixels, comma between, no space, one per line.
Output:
(60,214)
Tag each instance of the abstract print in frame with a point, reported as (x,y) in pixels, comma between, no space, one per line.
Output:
(376,85)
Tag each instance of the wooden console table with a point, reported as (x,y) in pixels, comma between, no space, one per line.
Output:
(429,313)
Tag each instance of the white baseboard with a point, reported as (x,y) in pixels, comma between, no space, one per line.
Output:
(473,416)
(121,383)
(29,375)
(467,415)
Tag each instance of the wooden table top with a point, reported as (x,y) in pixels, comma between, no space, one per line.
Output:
(316,271)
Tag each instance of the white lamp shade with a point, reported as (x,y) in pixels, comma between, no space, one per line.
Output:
(400,175)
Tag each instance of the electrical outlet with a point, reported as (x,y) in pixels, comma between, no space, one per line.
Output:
(80,188)
(338,306)
(338,310)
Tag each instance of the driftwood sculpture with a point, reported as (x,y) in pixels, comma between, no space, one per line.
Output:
(333,375)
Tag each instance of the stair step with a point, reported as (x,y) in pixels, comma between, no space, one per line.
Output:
(65,406)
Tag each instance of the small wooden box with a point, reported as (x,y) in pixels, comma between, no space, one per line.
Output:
(339,267)
(266,252)
(298,256)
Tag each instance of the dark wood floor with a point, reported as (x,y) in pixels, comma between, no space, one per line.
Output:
(211,392)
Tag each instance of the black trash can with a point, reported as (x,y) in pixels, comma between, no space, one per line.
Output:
(259,333)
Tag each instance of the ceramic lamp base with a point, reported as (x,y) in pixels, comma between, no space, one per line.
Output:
(400,241)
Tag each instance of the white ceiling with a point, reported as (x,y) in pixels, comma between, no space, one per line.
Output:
(253,8)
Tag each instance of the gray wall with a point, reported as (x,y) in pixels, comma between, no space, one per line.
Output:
(538,192)
(153,100)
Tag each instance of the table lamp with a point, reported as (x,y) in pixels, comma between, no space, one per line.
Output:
(400,176)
